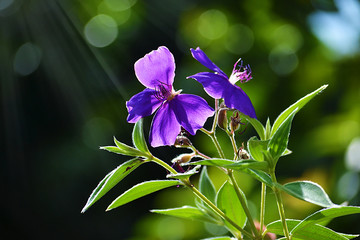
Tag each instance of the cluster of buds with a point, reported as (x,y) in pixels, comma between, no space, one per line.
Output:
(235,119)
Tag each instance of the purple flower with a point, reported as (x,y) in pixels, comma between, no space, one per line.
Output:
(219,85)
(156,71)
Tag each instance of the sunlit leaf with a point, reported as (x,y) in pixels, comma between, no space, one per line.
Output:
(184,175)
(257,148)
(229,203)
(138,137)
(140,190)
(260,176)
(314,231)
(124,149)
(279,141)
(187,212)
(206,186)
(259,128)
(267,129)
(326,214)
(111,179)
(217,162)
(309,192)
(297,105)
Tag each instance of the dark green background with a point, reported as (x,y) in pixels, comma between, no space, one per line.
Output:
(62,98)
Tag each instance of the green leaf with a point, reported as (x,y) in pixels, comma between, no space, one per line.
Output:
(260,176)
(229,203)
(184,175)
(279,141)
(124,149)
(230,164)
(326,214)
(309,192)
(297,105)
(138,137)
(245,164)
(315,231)
(257,148)
(260,129)
(206,186)
(140,190)
(216,162)
(111,179)
(267,129)
(187,212)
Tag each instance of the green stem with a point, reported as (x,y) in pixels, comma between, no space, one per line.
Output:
(243,203)
(215,141)
(262,207)
(163,164)
(216,209)
(201,196)
(280,205)
(233,142)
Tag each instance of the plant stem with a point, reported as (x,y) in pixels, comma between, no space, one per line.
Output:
(262,207)
(280,205)
(233,142)
(163,164)
(215,208)
(215,141)
(243,203)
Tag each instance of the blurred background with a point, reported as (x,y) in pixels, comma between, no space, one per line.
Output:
(66,71)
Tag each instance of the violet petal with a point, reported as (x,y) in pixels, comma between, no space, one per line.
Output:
(141,105)
(236,98)
(214,84)
(191,111)
(201,57)
(164,127)
(156,67)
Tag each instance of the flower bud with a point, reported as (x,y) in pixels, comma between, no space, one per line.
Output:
(183,158)
(243,154)
(182,141)
(222,119)
(235,121)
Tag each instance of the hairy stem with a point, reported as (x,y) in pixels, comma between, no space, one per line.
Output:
(215,141)
(280,206)
(216,209)
(243,203)
(262,207)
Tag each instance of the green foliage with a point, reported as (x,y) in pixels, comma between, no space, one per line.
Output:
(111,179)
(308,191)
(234,165)
(257,126)
(313,231)
(184,175)
(279,140)
(187,212)
(228,202)
(257,148)
(140,190)
(206,186)
(138,137)
(325,215)
(295,107)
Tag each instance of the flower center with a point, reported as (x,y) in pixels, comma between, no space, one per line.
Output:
(240,72)
(163,93)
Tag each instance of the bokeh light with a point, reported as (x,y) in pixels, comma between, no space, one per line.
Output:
(239,39)
(27,59)
(283,60)
(101,30)
(212,24)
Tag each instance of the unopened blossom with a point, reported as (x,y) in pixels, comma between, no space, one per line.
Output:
(218,85)
(156,71)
